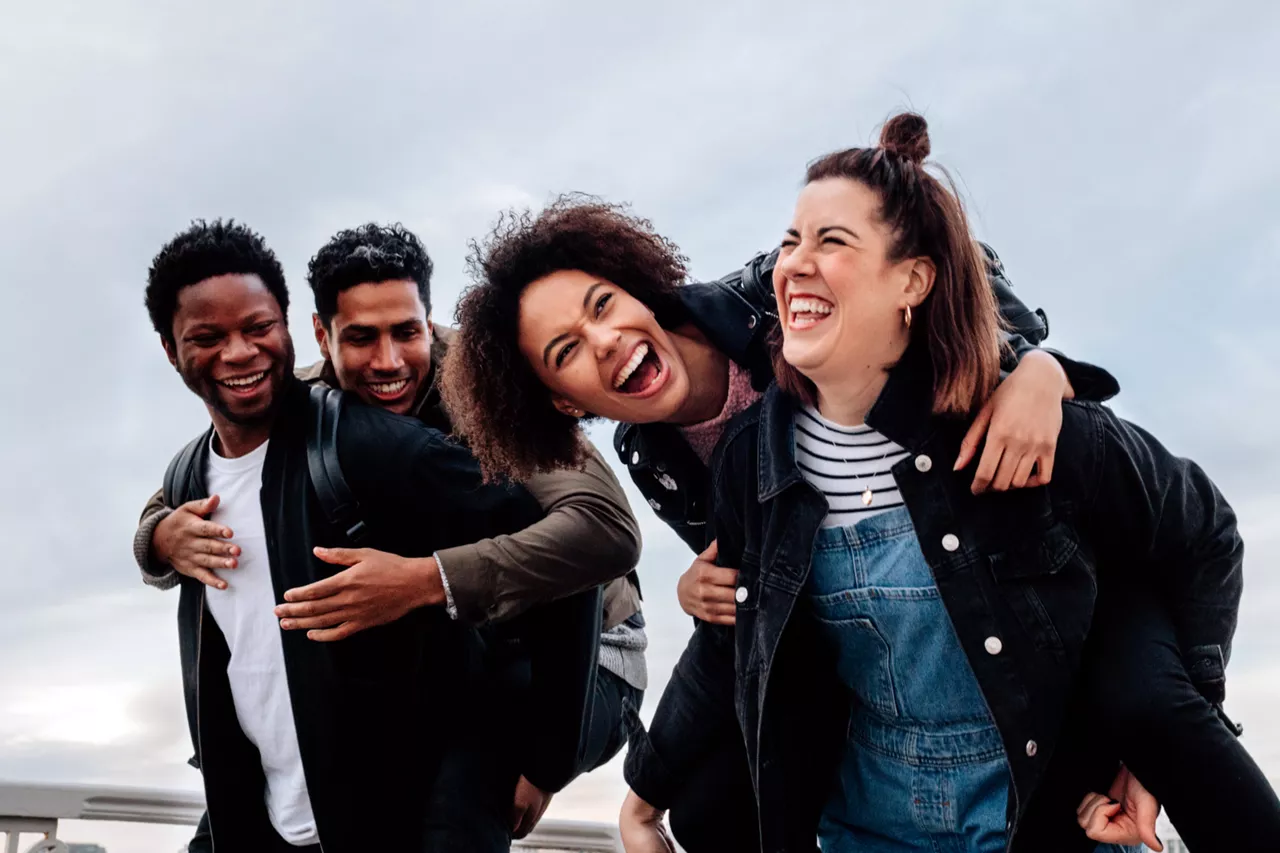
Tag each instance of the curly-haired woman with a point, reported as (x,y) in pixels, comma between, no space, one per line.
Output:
(582,311)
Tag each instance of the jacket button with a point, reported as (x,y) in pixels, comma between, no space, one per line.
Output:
(741,595)
(751,321)
(950,542)
(635,458)
(657,507)
(923,464)
(1032,749)
(993,646)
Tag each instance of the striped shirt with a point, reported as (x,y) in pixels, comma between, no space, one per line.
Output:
(843,463)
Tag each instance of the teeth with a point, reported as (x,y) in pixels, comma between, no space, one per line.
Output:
(801,305)
(244,382)
(630,367)
(389,387)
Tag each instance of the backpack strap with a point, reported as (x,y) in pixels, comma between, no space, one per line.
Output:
(337,502)
(177,477)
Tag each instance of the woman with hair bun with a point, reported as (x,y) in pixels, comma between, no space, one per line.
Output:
(918,667)
(581,311)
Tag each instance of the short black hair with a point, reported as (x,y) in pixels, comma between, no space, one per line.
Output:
(370,253)
(203,251)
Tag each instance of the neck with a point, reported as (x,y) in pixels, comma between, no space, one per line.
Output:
(708,370)
(234,440)
(847,400)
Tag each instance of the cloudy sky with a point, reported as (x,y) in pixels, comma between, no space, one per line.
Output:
(1121,157)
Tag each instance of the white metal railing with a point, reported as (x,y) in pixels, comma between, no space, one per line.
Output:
(37,808)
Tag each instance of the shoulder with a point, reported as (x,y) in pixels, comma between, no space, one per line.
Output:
(371,432)
(1087,428)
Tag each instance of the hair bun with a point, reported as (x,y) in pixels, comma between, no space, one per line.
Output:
(907,135)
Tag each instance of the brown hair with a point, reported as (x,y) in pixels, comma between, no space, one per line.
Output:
(958,320)
(495,399)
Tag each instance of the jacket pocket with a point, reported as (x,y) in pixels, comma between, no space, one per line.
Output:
(1050,588)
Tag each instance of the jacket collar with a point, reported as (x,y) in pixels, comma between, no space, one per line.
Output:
(903,413)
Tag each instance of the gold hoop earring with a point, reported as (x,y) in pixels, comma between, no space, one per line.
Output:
(906,316)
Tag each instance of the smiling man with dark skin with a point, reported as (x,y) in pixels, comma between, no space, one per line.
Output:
(373,326)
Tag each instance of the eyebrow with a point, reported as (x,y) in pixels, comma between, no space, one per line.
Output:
(829,228)
(586,299)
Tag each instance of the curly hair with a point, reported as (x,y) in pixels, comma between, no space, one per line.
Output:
(495,399)
(206,250)
(370,253)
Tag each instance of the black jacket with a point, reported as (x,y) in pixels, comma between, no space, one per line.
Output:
(373,711)
(1024,566)
(737,314)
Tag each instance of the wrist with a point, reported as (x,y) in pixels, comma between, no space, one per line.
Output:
(1051,367)
(636,807)
(430,587)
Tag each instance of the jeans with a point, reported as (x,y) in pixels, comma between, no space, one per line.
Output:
(612,701)
(1147,712)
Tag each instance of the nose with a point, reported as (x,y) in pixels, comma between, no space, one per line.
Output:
(796,264)
(386,356)
(239,349)
(602,340)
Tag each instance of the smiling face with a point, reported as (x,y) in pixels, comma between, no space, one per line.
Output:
(600,350)
(379,342)
(231,347)
(841,298)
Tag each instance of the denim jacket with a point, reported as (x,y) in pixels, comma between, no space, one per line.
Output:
(737,314)
(1021,566)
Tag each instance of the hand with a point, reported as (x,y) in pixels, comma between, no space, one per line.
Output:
(1021,422)
(377,588)
(706,590)
(641,828)
(193,545)
(530,804)
(1125,815)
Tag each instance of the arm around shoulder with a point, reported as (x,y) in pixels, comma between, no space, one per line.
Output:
(587,537)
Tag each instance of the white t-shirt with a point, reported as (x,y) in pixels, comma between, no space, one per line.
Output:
(244,612)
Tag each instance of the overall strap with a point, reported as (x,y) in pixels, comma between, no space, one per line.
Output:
(336,500)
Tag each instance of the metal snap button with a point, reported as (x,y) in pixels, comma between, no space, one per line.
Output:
(950,542)
(993,645)
(741,595)
(1032,749)
(923,464)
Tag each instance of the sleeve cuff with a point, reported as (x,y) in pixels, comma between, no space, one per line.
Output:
(644,770)
(156,574)
(449,606)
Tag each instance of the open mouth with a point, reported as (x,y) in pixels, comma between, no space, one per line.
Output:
(807,311)
(642,373)
(388,391)
(245,386)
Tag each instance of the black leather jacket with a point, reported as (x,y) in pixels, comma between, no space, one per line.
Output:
(373,711)
(1023,566)
(737,313)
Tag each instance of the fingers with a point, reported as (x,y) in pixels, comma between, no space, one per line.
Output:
(987,466)
(1089,802)
(340,556)
(711,552)
(973,438)
(320,589)
(332,619)
(309,609)
(1023,472)
(206,577)
(202,507)
(329,635)
(1044,465)
(716,577)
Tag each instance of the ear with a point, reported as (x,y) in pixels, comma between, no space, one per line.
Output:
(564,407)
(170,351)
(431,329)
(920,278)
(322,336)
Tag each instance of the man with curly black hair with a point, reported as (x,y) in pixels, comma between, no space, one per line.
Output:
(372,321)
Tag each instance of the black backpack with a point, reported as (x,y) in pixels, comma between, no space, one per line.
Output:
(339,505)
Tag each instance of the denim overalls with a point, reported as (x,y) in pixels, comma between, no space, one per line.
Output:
(924,766)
